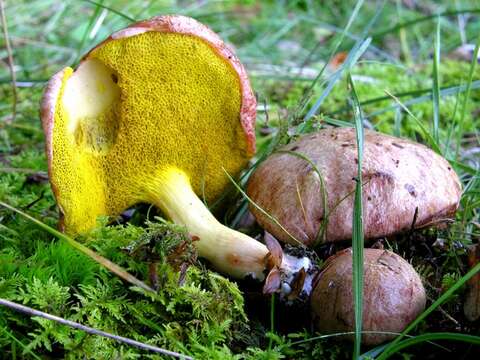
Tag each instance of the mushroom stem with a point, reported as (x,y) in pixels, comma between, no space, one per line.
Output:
(229,251)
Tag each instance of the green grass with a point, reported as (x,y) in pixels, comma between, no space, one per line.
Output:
(357,226)
(399,78)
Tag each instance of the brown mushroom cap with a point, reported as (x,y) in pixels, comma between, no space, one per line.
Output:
(399,176)
(393,295)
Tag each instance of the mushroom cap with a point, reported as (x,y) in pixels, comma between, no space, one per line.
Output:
(165,92)
(399,176)
(393,295)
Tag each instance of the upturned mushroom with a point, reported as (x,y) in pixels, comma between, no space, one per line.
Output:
(156,113)
(393,295)
(405,185)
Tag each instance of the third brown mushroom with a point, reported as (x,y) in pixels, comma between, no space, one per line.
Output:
(393,295)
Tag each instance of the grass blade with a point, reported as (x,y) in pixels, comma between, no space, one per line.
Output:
(119,13)
(399,26)
(352,17)
(389,349)
(426,134)
(88,29)
(470,339)
(436,84)
(25,348)
(446,91)
(357,235)
(117,270)
(397,128)
(272,320)
(273,219)
(322,230)
(11,66)
(353,56)
(371,354)
(473,65)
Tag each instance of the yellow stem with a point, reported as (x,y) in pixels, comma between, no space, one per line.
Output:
(229,251)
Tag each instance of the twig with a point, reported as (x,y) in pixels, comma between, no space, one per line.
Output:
(21,171)
(10,59)
(33,312)
(446,314)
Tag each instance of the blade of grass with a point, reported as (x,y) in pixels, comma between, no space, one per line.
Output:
(32,312)
(446,91)
(397,129)
(471,339)
(322,230)
(470,203)
(357,226)
(336,122)
(82,248)
(445,296)
(25,348)
(418,20)
(305,99)
(436,84)
(52,23)
(371,354)
(88,29)
(452,123)
(402,34)
(119,13)
(461,21)
(473,64)
(13,76)
(272,320)
(353,56)
(425,132)
(377,51)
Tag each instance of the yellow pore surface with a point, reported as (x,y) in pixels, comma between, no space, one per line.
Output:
(135,108)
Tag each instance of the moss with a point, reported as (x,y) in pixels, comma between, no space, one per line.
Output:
(206,309)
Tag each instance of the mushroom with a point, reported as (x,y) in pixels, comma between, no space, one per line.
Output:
(159,112)
(406,185)
(393,295)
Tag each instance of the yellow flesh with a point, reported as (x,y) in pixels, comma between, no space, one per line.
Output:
(229,251)
(176,104)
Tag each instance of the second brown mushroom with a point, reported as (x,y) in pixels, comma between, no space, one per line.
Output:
(405,185)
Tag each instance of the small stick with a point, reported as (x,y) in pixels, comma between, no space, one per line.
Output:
(10,59)
(471,308)
(33,312)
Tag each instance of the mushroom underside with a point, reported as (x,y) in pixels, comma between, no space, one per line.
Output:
(135,107)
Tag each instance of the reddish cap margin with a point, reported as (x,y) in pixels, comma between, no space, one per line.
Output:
(47,115)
